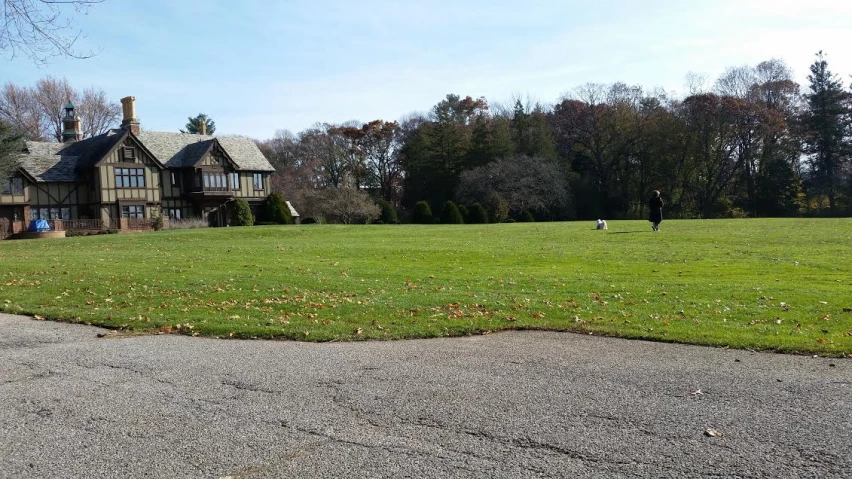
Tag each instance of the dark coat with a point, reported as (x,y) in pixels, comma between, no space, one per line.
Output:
(656,206)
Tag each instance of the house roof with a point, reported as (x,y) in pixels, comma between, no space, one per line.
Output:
(58,168)
(180,150)
(46,161)
(61,162)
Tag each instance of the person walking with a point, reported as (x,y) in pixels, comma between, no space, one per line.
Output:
(656,206)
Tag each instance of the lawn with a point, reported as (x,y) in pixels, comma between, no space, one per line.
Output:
(768,284)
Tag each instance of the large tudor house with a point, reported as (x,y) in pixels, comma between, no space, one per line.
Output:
(126,176)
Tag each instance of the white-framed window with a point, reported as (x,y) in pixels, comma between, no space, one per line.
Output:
(257,180)
(175,213)
(234,180)
(50,213)
(133,211)
(129,177)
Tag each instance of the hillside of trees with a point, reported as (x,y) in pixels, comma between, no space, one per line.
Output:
(753,144)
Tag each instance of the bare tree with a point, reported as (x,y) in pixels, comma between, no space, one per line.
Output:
(695,83)
(737,82)
(38,30)
(18,108)
(525,183)
(97,113)
(51,96)
(38,112)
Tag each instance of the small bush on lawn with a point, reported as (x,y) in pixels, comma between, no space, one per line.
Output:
(526,217)
(422,214)
(277,211)
(477,215)
(240,213)
(388,215)
(450,214)
(157,223)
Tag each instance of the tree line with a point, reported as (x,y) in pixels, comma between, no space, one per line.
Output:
(754,143)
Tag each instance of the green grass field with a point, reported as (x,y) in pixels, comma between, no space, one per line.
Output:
(774,284)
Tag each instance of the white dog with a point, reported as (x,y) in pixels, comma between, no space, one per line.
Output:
(601,225)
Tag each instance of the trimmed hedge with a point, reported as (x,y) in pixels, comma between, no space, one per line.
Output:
(422,214)
(388,215)
(240,213)
(477,214)
(450,214)
(277,210)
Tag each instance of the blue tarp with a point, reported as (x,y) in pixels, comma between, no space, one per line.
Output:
(39,225)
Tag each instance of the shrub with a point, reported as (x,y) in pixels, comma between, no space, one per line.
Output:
(157,223)
(498,209)
(239,213)
(422,214)
(526,217)
(465,213)
(388,215)
(277,211)
(450,214)
(477,214)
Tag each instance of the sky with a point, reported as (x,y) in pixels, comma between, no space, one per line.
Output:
(259,66)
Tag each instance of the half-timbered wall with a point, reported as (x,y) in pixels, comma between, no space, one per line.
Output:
(247,189)
(11,198)
(60,195)
(114,181)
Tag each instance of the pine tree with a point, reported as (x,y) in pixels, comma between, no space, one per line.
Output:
(826,122)
(11,143)
(194,125)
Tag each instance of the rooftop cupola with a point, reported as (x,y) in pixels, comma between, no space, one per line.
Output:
(71,130)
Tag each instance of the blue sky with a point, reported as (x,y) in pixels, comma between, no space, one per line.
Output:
(256,66)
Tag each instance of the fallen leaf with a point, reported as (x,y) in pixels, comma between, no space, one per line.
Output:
(710,432)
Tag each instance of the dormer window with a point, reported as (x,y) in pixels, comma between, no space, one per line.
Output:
(128,153)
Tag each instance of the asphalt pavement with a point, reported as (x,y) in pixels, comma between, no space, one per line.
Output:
(515,404)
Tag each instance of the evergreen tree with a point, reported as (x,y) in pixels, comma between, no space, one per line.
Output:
(826,122)
(277,210)
(464,213)
(422,214)
(526,217)
(240,213)
(388,215)
(478,215)
(194,125)
(498,209)
(11,143)
(450,214)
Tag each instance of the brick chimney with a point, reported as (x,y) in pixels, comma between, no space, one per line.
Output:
(128,106)
(203,125)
